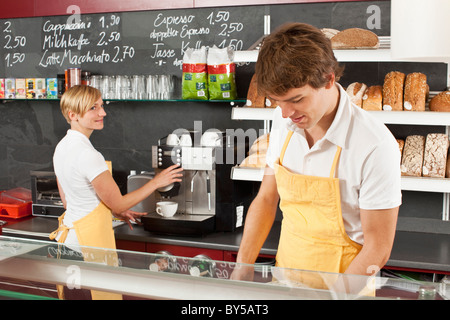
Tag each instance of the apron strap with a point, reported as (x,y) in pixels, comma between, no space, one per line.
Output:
(61,227)
(335,162)
(286,142)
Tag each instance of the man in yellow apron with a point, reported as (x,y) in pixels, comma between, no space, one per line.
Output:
(334,169)
(86,186)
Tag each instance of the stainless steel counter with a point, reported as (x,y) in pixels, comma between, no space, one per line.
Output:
(412,250)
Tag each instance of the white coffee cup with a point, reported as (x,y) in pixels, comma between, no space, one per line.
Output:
(211,139)
(185,140)
(172,140)
(166,208)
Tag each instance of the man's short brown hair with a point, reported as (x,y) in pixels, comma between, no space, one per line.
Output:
(295,55)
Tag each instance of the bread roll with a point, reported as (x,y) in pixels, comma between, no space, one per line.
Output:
(355,38)
(401,144)
(416,92)
(393,91)
(253,99)
(356,91)
(441,102)
(412,159)
(373,98)
(435,156)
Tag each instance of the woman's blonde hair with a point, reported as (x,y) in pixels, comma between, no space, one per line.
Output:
(78,99)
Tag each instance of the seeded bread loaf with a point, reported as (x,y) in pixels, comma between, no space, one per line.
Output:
(373,98)
(441,102)
(393,91)
(416,92)
(435,156)
(412,159)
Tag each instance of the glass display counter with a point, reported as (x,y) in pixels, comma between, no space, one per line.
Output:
(163,276)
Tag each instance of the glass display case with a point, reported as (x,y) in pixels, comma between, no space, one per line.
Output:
(136,275)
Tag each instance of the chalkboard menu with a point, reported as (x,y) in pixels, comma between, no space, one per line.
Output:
(147,42)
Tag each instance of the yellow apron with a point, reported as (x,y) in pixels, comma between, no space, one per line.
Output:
(93,230)
(312,236)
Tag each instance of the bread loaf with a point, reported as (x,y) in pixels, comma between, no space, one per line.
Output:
(355,38)
(435,156)
(393,91)
(401,144)
(441,102)
(447,167)
(416,92)
(254,100)
(373,98)
(412,159)
(329,33)
(260,145)
(356,91)
(255,160)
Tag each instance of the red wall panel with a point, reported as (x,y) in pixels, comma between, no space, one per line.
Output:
(37,8)
(16,9)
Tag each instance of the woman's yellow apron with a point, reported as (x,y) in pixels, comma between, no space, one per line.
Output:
(312,236)
(93,230)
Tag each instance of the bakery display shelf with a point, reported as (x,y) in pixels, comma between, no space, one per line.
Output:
(247,174)
(408,183)
(426,184)
(388,117)
(245,56)
(342,55)
(382,54)
(247,113)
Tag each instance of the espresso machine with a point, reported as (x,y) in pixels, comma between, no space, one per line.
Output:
(208,200)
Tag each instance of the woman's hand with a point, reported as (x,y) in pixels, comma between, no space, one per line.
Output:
(168,176)
(128,216)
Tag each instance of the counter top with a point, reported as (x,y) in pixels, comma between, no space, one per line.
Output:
(412,250)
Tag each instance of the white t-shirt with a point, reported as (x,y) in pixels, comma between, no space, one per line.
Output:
(369,164)
(76,164)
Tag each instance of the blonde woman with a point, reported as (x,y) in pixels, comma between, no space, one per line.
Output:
(88,191)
